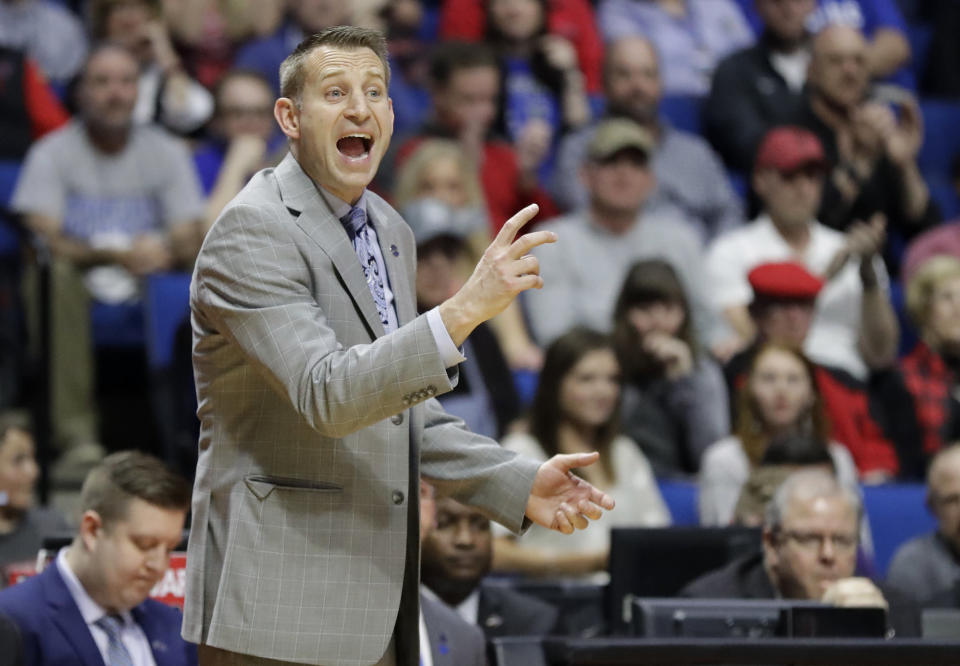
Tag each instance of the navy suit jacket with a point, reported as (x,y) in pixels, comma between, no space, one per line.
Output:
(54,633)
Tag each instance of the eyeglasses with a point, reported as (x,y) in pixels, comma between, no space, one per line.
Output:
(814,541)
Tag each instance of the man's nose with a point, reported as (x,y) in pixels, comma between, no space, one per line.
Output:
(828,552)
(357,107)
(157,560)
(463,536)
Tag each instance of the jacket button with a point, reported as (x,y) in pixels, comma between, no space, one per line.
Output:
(396,419)
(431,390)
(397,497)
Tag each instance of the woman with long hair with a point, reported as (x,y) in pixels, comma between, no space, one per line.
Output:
(575,410)
(675,399)
(544,93)
(780,398)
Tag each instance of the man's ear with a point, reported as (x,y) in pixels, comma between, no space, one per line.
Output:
(91,527)
(585,173)
(759,180)
(288,117)
(769,541)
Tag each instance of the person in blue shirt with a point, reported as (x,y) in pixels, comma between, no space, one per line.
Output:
(543,87)
(305,17)
(245,139)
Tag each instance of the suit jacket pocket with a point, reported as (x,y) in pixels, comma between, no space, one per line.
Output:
(262,485)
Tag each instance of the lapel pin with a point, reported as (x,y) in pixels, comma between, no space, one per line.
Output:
(394,251)
(493,621)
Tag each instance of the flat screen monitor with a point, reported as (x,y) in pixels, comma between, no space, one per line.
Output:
(753,619)
(659,562)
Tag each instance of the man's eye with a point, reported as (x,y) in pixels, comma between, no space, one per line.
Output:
(374,92)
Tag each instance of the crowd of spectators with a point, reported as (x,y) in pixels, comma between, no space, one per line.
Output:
(769,283)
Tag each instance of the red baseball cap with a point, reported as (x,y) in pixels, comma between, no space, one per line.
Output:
(789,148)
(784,280)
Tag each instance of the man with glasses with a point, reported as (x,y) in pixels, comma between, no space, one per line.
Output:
(809,552)
(929,565)
(245,139)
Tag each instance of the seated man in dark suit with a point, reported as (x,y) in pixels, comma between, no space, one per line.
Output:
(810,537)
(456,555)
(446,639)
(90,605)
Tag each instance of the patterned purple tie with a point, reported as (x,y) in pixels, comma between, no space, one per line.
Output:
(362,237)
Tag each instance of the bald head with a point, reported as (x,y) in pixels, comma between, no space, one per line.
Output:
(785,20)
(838,68)
(944,465)
(943,492)
(632,79)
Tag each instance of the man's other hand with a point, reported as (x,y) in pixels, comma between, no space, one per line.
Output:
(562,500)
(854,593)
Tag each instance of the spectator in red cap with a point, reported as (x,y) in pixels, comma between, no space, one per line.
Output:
(853,328)
(784,296)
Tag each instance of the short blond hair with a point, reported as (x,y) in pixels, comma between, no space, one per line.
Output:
(921,286)
(410,173)
(293,74)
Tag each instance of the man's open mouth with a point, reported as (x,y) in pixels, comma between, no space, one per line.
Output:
(355,146)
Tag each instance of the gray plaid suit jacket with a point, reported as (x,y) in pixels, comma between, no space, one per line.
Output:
(313,427)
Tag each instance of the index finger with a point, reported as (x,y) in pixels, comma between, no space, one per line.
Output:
(510,228)
(527,242)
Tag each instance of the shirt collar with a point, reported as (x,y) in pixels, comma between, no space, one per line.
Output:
(469,608)
(340,207)
(90,610)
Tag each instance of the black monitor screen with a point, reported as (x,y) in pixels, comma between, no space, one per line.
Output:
(659,562)
(752,618)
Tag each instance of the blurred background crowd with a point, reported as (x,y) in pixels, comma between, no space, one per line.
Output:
(758,265)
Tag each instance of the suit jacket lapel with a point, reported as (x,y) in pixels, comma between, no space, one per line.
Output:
(489,616)
(300,195)
(156,636)
(389,233)
(66,616)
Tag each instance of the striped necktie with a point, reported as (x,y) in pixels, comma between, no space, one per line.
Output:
(117,654)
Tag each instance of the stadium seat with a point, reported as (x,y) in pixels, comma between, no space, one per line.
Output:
(919,36)
(166,303)
(943,193)
(681,499)
(941,140)
(683,112)
(9,235)
(897,512)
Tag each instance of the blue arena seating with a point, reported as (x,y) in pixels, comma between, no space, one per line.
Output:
(683,112)
(897,512)
(166,303)
(681,499)
(941,140)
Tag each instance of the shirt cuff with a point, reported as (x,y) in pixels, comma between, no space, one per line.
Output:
(449,352)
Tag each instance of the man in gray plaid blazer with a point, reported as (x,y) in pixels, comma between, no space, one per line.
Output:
(315,383)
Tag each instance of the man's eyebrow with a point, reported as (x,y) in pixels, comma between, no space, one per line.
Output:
(339,71)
